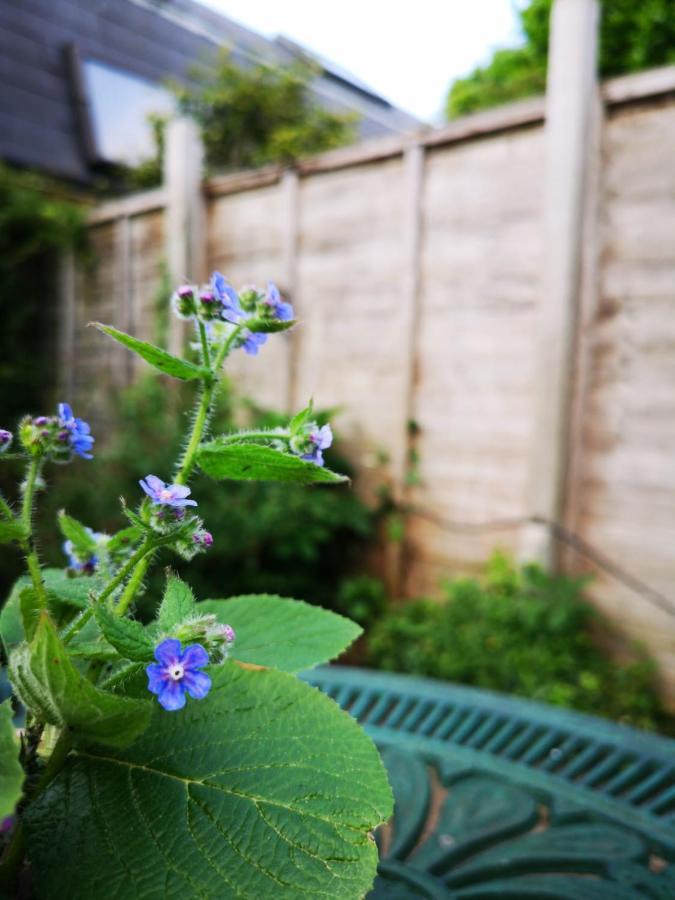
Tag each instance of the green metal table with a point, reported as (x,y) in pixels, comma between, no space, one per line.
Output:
(497,797)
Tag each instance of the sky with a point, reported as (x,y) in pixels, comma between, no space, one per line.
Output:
(407,52)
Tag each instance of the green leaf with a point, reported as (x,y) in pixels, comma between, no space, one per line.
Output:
(265,789)
(123,539)
(301,417)
(11,622)
(269,326)
(72,590)
(77,533)
(48,683)
(178,604)
(11,530)
(11,773)
(160,359)
(286,634)
(93,650)
(129,638)
(30,610)
(254,462)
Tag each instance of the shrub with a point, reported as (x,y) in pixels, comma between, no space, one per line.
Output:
(519,631)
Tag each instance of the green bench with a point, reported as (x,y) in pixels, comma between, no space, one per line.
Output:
(498,797)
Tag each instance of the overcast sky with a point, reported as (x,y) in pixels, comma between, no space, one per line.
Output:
(407,52)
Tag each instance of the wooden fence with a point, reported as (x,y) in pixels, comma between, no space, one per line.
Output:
(507,286)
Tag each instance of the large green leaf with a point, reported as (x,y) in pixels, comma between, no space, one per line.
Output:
(11,773)
(128,637)
(160,359)
(48,683)
(286,634)
(255,462)
(265,789)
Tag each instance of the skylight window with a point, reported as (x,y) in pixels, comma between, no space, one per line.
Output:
(120,105)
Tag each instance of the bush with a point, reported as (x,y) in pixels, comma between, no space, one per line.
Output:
(520,631)
(276,538)
(633,36)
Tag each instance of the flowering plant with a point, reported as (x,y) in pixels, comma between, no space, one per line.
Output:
(179,757)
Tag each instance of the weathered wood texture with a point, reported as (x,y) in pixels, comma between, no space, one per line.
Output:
(359,251)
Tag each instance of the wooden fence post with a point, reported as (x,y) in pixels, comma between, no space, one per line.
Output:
(185,222)
(414,159)
(66,323)
(570,97)
(290,189)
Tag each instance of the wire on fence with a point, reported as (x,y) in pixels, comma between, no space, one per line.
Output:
(564,536)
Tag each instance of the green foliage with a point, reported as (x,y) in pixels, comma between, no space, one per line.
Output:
(269,538)
(259,114)
(246,462)
(36,221)
(633,36)
(287,634)
(363,599)
(519,631)
(265,789)
(48,683)
(11,773)
(161,360)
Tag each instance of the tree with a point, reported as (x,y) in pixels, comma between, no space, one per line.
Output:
(259,114)
(633,36)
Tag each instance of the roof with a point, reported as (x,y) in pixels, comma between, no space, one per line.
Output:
(41,125)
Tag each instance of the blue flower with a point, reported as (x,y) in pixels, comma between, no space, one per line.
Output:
(75,562)
(5,439)
(75,431)
(251,342)
(176,672)
(229,299)
(163,494)
(279,308)
(320,439)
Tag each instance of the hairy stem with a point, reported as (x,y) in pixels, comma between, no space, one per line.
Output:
(28,544)
(201,418)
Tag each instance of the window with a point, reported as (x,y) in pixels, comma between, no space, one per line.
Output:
(120,104)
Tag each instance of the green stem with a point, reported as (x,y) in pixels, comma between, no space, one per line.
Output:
(28,544)
(145,549)
(206,356)
(187,461)
(133,585)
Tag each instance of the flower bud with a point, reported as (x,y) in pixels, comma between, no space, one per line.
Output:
(5,439)
(183,301)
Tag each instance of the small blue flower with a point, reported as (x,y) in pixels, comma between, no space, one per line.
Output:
(5,439)
(163,494)
(280,309)
(229,299)
(251,342)
(321,439)
(176,672)
(75,431)
(75,562)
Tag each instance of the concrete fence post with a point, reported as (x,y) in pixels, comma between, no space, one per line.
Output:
(185,222)
(570,98)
